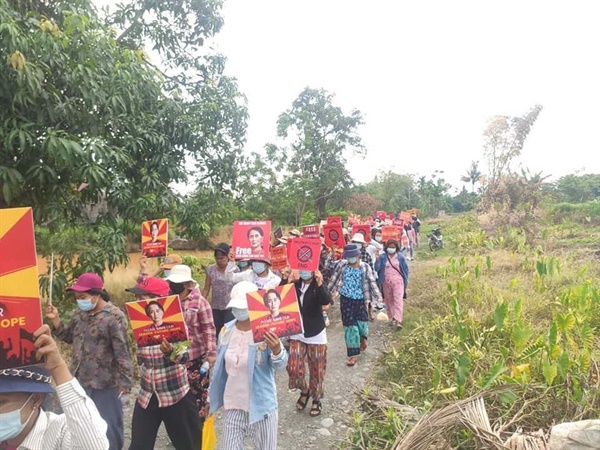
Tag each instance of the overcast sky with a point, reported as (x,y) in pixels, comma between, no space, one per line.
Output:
(427,75)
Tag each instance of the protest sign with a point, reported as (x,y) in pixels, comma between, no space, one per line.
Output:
(278,233)
(276,311)
(406,216)
(334,235)
(334,220)
(398,223)
(391,215)
(155,235)
(156,319)
(20,307)
(279,257)
(248,239)
(390,232)
(381,215)
(304,253)
(365,230)
(310,231)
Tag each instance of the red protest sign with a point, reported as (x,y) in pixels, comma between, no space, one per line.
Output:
(274,310)
(334,235)
(279,257)
(406,216)
(249,241)
(365,230)
(157,319)
(20,307)
(390,232)
(381,215)
(398,223)
(310,231)
(391,215)
(304,253)
(334,220)
(155,234)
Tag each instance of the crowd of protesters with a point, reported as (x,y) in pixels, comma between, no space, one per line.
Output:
(221,368)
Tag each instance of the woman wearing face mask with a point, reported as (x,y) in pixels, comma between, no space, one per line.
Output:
(100,360)
(243,381)
(23,422)
(355,282)
(215,281)
(393,275)
(311,347)
(261,275)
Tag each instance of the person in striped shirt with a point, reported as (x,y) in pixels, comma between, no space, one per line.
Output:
(25,425)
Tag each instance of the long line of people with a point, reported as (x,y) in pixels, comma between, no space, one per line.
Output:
(174,390)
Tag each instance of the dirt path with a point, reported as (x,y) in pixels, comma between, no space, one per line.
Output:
(297,430)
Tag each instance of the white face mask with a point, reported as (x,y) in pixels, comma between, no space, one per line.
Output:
(241,314)
(391,250)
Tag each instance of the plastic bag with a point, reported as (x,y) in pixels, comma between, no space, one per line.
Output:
(209,434)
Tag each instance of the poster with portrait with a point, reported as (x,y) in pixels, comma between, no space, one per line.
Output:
(155,235)
(365,230)
(406,216)
(390,232)
(304,253)
(334,235)
(279,257)
(274,310)
(20,307)
(311,231)
(381,215)
(157,319)
(251,239)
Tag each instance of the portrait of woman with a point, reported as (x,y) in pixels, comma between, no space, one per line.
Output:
(154,231)
(155,311)
(255,238)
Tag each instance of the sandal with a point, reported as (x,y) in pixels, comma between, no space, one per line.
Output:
(351,361)
(300,404)
(363,344)
(316,408)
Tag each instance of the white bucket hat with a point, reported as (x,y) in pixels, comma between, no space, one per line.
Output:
(358,238)
(180,274)
(238,294)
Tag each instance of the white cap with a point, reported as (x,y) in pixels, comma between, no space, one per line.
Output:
(359,238)
(238,294)
(180,274)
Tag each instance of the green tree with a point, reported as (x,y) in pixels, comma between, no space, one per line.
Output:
(321,136)
(395,191)
(578,188)
(473,175)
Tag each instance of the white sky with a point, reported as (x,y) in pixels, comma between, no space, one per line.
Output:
(427,75)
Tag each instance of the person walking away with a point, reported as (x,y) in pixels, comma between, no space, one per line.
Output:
(243,382)
(310,347)
(416,226)
(365,257)
(355,282)
(410,233)
(393,274)
(164,395)
(221,288)
(25,425)
(100,360)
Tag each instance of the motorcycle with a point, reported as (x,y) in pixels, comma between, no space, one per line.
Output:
(435,240)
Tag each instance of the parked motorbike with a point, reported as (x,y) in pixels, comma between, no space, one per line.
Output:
(436,240)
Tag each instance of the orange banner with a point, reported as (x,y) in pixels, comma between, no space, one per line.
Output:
(390,232)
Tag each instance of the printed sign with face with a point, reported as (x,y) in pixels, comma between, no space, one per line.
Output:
(155,235)
(156,319)
(310,231)
(274,310)
(304,253)
(334,235)
(365,230)
(249,239)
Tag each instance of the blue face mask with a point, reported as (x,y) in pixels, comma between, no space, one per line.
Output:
(243,264)
(259,267)
(166,273)
(306,274)
(240,314)
(85,304)
(10,423)
(352,260)
(378,238)
(391,250)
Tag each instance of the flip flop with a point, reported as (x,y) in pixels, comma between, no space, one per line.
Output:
(300,404)
(351,361)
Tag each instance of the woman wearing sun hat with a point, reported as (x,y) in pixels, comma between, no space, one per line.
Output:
(23,422)
(243,381)
(356,284)
(101,361)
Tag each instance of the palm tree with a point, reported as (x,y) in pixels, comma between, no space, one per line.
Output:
(473,175)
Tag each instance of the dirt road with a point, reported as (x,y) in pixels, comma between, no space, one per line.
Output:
(298,430)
